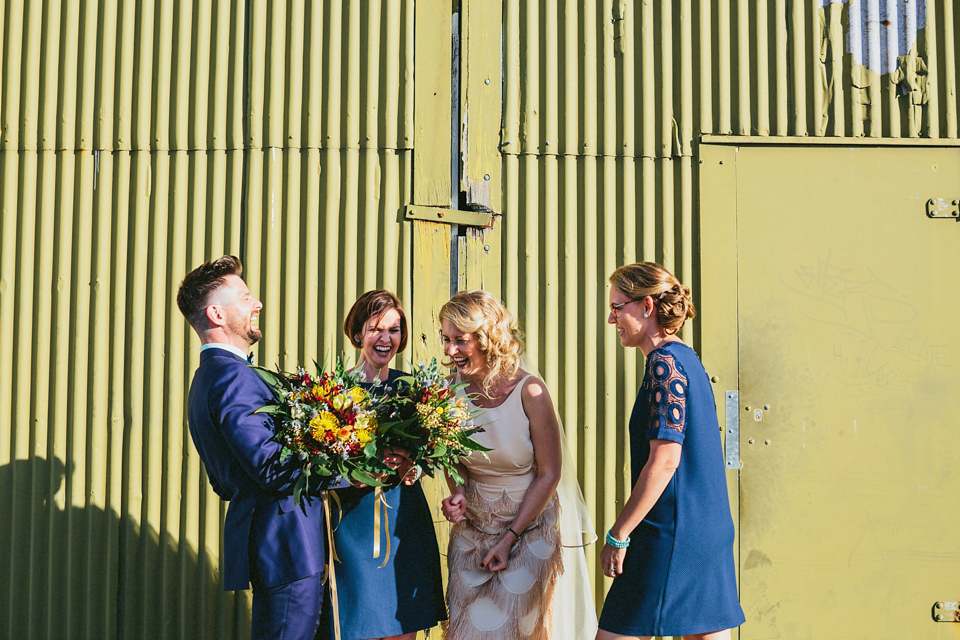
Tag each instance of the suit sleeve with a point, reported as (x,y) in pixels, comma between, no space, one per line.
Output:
(234,398)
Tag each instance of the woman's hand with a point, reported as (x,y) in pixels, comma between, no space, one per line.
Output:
(499,555)
(611,560)
(454,506)
(398,460)
(412,475)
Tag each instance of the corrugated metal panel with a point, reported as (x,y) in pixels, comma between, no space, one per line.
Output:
(157,74)
(604,103)
(138,141)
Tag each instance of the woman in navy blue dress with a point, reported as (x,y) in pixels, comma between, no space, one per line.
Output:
(670,551)
(404,596)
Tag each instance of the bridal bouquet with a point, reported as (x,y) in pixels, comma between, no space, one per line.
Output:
(426,418)
(328,421)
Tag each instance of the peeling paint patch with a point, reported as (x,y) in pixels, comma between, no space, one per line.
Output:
(757,558)
(880,33)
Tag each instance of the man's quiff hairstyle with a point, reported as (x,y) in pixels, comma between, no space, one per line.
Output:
(199,284)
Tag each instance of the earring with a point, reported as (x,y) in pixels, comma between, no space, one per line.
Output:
(646,314)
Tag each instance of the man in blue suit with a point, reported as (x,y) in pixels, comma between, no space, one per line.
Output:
(268,541)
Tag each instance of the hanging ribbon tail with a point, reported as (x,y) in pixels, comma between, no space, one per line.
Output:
(336,500)
(331,572)
(380,501)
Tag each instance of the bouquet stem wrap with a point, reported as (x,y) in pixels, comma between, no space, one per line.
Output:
(331,561)
(380,502)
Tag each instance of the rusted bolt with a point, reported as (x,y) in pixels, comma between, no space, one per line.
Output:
(439,214)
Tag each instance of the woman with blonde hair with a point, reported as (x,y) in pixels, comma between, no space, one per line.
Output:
(506,550)
(670,551)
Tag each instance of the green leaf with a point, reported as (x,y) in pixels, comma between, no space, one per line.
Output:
(298,488)
(272,409)
(365,478)
(273,380)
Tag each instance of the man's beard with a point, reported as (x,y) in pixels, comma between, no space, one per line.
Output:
(250,333)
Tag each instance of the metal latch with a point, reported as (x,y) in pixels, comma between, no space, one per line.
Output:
(943,208)
(731,435)
(449,216)
(946,611)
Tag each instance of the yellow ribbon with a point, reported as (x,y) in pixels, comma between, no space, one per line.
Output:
(331,559)
(378,500)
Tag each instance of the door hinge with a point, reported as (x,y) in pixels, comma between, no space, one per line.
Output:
(943,208)
(946,611)
(731,430)
(449,216)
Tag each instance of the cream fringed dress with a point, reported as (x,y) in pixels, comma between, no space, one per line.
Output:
(514,602)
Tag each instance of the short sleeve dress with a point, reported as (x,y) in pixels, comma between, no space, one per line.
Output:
(678,575)
(402,596)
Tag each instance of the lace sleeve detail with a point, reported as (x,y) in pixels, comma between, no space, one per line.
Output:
(668,393)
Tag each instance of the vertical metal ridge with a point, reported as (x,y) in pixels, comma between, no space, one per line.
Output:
(781,53)
(647,87)
(704,42)
(743,37)
(951,97)
(761,57)
(723,88)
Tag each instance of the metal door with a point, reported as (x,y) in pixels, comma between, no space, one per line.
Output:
(842,262)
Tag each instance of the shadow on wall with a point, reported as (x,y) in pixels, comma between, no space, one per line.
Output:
(85,572)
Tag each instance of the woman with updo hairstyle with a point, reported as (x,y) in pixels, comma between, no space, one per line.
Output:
(505,554)
(396,599)
(670,551)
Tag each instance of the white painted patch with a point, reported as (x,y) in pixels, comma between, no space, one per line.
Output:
(881,30)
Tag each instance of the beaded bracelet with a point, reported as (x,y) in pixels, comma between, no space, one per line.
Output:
(617,544)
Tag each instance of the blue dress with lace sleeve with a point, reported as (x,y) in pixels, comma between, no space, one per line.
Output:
(678,575)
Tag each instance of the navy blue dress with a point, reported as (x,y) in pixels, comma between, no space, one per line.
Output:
(678,575)
(403,596)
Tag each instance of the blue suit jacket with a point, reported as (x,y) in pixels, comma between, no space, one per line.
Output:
(263,525)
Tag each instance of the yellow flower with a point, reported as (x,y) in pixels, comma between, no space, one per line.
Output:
(365,421)
(322,389)
(342,401)
(363,436)
(358,394)
(322,422)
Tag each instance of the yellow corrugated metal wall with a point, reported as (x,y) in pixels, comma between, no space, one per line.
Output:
(137,139)
(604,105)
